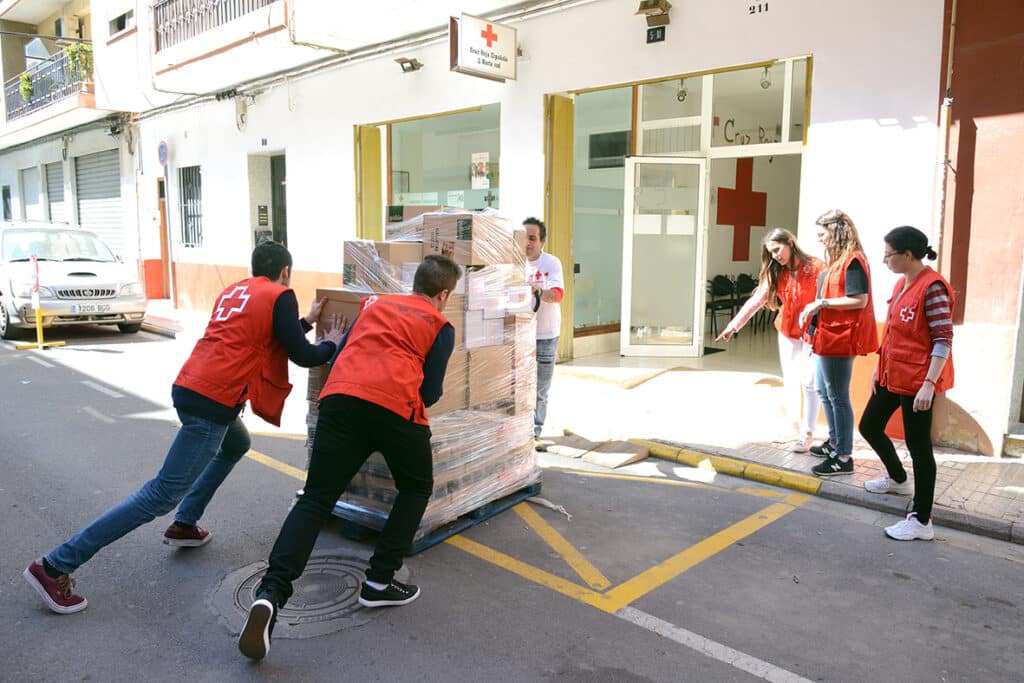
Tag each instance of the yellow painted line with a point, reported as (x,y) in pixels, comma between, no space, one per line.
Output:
(764,493)
(661,574)
(531,573)
(631,477)
(581,565)
(282,467)
(281,435)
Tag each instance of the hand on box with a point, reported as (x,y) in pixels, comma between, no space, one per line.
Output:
(334,328)
(314,310)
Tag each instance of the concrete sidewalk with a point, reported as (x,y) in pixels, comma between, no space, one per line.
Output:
(706,413)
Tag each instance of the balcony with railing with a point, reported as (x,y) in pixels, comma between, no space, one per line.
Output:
(176,21)
(66,74)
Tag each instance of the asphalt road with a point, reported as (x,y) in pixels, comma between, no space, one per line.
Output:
(660,575)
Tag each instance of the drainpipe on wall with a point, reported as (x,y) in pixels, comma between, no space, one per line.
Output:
(945,123)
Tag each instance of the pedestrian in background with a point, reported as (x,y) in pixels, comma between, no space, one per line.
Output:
(544,273)
(914,364)
(243,356)
(390,367)
(841,326)
(788,282)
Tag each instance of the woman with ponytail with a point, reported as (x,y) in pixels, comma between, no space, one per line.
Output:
(914,364)
(788,282)
(841,326)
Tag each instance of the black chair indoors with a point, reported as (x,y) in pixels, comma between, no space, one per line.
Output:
(721,297)
(745,286)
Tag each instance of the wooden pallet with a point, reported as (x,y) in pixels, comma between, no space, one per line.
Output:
(360,524)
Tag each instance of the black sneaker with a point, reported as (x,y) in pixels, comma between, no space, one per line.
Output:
(822,450)
(833,466)
(397,593)
(254,641)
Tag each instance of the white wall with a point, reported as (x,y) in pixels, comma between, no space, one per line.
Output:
(871,143)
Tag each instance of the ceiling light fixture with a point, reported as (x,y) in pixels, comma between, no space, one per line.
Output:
(766,79)
(409,65)
(681,95)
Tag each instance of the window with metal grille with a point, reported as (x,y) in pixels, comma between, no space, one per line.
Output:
(190,189)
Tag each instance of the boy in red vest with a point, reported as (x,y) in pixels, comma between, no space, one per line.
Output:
(243,356)
(389,368)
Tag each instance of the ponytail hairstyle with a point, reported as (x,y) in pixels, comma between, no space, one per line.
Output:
(907,238)
(771,269)
(842,238)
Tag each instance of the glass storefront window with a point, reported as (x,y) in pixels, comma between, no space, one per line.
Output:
(797,101)
(747,106)
(670,116)
(451,160)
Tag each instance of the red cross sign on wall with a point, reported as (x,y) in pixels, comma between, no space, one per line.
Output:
(489,35)
(742,208)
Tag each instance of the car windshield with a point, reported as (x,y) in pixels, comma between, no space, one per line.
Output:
(54,245)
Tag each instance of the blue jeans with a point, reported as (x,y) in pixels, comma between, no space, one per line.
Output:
(546,351)
(834,390)
(201,457)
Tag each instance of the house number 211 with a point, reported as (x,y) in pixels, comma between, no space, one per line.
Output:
(758,8)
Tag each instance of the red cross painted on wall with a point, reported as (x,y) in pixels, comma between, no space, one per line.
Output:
(489,35)
(742,208)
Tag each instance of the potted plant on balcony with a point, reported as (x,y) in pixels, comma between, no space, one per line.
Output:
(25,86)
(80,61)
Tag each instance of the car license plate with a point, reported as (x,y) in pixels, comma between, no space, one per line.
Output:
(90,308)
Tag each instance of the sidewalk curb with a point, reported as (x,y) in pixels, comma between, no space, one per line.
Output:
(162,326)
(830,490)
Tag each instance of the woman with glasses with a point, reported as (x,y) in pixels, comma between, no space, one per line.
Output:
(841,326)
(788,282)
(914,364)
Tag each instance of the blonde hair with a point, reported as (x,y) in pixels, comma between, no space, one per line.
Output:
(841,235)
(771,269)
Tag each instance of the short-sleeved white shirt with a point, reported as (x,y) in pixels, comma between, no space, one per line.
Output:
(546,272)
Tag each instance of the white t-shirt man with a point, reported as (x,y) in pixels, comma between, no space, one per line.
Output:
(545,272)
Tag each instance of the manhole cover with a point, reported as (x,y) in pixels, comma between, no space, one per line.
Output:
(325,598)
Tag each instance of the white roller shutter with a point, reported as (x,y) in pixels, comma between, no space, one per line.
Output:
(98,182)
(55,192)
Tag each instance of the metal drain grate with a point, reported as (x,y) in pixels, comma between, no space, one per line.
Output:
(325,598)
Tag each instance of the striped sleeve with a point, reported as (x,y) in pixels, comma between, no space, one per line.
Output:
(938,311)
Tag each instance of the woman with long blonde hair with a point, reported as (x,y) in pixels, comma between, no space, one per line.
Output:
(788,282)
(840,325)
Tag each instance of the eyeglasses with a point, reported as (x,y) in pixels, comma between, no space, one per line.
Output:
(889,254)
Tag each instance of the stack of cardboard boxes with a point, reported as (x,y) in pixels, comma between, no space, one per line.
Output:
(483,425)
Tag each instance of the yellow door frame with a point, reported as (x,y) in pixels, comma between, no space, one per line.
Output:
(369,202)
(558,202)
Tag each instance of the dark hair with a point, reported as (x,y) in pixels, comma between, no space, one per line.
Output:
(770,268)
(907,238)
(268,258)
(436,274)
(541,230)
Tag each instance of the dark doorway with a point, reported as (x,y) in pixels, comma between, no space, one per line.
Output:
(277,199)
(7,202)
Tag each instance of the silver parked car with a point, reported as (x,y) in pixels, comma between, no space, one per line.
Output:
(81,281)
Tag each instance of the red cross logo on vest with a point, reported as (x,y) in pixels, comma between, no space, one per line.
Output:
(232,302)
(907,314)
(742,208)
(489,35)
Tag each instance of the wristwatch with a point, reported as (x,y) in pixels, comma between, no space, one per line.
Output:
(824,303)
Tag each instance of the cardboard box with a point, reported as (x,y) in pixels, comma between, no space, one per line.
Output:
(490,376)
(363,269)
(398,213)
(402,221)
(400,253)
(469,239)
(480,331)
(455,394)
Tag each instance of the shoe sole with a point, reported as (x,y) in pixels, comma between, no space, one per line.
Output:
(890,492)
(187,542)
(254,641)
(830,474)
(34,582)
(387,603)
(915,538)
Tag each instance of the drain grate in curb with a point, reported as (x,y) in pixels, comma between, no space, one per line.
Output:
(325,598)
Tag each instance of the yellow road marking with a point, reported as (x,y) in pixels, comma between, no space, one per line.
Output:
(581,565)
(281,435)
(661,574)
(764,493)
(631,477)
(282,467)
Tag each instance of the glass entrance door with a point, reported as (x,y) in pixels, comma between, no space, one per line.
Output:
(663,257)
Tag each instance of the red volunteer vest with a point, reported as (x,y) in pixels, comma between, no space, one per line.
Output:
(238,357)
(844,334)
(382,361)
(906,343)
(796,292)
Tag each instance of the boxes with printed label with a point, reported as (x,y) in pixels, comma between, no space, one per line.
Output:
(380,266)
(404,221)
(470,239)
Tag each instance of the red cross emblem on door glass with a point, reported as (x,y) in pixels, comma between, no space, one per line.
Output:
(231,303)
(489,35)
(742,208)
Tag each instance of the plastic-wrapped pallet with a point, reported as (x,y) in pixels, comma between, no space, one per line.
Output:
(482,428)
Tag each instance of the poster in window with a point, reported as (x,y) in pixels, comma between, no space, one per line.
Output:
(480,171)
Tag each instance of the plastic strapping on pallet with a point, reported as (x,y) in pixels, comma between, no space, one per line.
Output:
(483,425)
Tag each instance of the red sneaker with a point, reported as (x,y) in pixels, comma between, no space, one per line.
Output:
(184,537)
(58,594)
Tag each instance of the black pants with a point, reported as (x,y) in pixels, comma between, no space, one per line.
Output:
(347,432)
(918,430)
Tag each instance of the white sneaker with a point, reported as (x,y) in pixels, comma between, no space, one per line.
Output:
(910,529)
(887,485)
(803,444)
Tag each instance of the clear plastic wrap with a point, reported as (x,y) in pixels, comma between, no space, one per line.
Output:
(483,425)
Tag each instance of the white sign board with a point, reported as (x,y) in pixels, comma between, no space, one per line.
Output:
(482,48)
